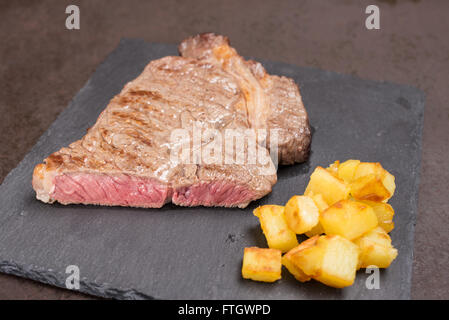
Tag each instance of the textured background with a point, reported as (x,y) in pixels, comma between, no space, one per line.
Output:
(43,65)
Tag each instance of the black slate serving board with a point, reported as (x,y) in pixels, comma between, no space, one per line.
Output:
(195,253)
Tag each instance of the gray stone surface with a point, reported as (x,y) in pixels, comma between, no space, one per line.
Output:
(194,253)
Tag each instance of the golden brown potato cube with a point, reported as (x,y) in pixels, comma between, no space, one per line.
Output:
(333,168)
(367,168)
(372,182)
(274,227)
(321,205)
(301,214)
(332,260)
(309,259)
(349,219)
(262,264)
(346,170)
(330,187)
(291,267)
(340,262)
(384,213)
(376,249)
(370,188)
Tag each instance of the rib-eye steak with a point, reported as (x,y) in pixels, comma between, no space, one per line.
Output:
(135,154)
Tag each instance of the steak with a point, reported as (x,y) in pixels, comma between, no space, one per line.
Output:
(147,147)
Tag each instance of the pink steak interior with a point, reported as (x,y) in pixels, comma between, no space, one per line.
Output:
(218,193)
(126,190)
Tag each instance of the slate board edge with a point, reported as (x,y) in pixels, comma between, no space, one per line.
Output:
(41,275)
(414,199)
(58,279)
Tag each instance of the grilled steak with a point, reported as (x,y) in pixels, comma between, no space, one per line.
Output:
(126,158)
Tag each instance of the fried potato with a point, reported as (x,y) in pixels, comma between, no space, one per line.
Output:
(346,170)
(367,168)
(321,205)
(389,183)
(329,186)
(262,264)
(291,267)
(369,187)
(332,260)
(372,182)
(349,219)
(275,228)
(375,249)
(310,259)
(384,213)
(347,202)
(301,214)
(333,168)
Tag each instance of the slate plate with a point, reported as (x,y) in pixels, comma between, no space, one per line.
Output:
(196,253)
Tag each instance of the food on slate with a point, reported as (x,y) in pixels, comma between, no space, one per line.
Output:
(332,260)
(345,215)
(384,213)
(274,226)
(321,205)
(287,259)
(372,182)
(262,264)
(301,214)
(348,218)
(125,158)
(376,249)
(324,182)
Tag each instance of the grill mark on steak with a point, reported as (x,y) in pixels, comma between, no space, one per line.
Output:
(54,161)
(126,153)
(145,93)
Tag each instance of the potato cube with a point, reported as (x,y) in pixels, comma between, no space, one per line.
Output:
(349,219)
(291,267)
(346,170)
(322,205)
(372,182)
(333,168)
(367,168)
(376,249)
(369,187)
(330,187)
(309,259)
(262,264)
(340,262)
(301,214)
(384,213)
(274,227)
(332,260)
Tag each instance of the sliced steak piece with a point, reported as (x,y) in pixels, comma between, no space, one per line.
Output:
(272,102)
(125,158)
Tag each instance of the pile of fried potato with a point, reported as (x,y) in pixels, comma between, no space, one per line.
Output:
(345,214)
